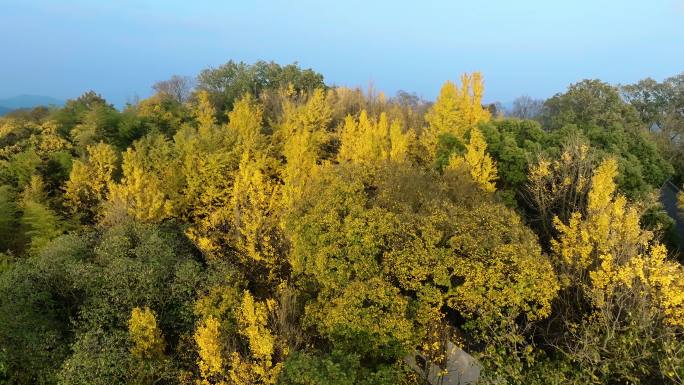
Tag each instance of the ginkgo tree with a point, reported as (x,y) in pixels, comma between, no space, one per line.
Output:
(369,141)
(237,345)
(305,129)
(632,291)
(150,186)
(456,110)
(90,179)
(265,228)
(476,162)
(374,247)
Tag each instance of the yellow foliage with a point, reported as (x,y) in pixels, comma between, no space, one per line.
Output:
(573,245)
(34,190)
(252,323)
(477,161)
(140,194)
(399,143)
(503,270)
(541,170)
(255,203)
(650,274)
(218,302)
(161,110)
(150,187)
(612,224)
(204,112)
(482,292)
(616,256)
(368,141)
(456,110)
(373,309)
(316,114)
(230,201)
(145,335)
(560,186)
(208,162)
(221,366)
(252,320)
(50,140)
(208,340)
(247,373)
(668,277)
(602,186)
(305,129)
(245,121)
(89,181)
(300,154)
(207,187)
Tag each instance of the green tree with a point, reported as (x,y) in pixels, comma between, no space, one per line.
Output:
(232,80)
(9,218)
(589,103)
(40,223)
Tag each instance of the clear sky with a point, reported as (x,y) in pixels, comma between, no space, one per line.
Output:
(62,48)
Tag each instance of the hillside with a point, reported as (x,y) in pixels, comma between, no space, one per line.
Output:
(264,227)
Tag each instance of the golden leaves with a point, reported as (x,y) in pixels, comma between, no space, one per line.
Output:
(368,141)
(252,320)
(602,186)
(204,111)
(610,248)
(208,340)
(477,161)
(456,110)
(245,120)
(255,203)
(90,179)
(145,334)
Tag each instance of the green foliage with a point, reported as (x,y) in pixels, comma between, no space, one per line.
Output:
(37,302)
(337,368)
(98,123)
(96,280)
(56,169)
(265,229)
(40,224)
(447,145)
(589,103)
(19,169)
(378,248)
(98,358)
(513,143)
(9,218)
(369,318)
(231,80)
(157,114)
(74,110)
(516,143)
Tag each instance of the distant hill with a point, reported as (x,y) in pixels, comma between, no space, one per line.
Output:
(27,101)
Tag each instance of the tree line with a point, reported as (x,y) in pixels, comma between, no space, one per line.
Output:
(257,226)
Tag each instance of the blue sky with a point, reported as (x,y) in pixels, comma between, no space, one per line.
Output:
(120,48)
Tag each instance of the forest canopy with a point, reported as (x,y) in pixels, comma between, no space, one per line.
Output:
(255,225)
